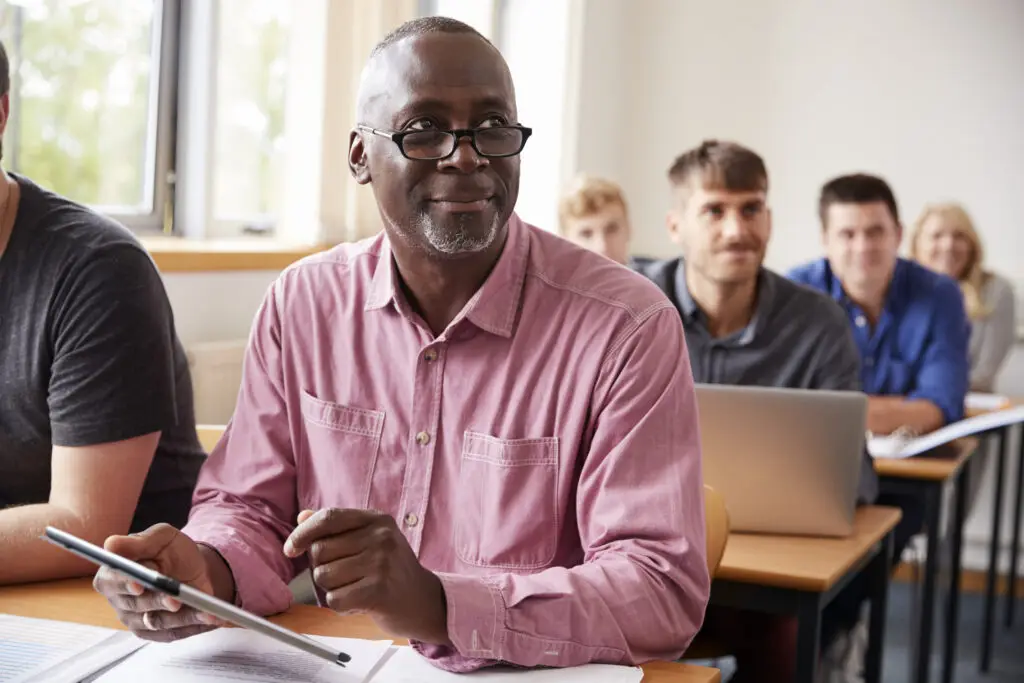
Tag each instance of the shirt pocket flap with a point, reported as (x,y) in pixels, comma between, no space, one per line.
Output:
(340,417)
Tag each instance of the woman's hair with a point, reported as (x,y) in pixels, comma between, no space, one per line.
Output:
(973,277)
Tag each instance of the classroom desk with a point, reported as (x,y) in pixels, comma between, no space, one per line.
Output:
(925,476)
(1002,441)
(75,600)
(800,576)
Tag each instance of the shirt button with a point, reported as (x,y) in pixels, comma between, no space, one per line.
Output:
(411,519)
(430,356)
(423,438)
(860,321)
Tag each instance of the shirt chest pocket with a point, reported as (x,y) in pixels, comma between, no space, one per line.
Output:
(507,504)
(340,445)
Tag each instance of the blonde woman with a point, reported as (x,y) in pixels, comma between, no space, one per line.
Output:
(945,240)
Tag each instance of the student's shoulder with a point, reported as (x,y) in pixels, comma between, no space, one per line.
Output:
(813,273)
(73,236)
(580,278)
(929,287)
(816,311)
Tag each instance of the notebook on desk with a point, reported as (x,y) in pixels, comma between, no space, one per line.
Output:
(787,461)
(45,651)
(902,445)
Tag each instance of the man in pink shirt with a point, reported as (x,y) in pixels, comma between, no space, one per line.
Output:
(480,435)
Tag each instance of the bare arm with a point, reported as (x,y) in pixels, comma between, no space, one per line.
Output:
(93,494)
(886,414)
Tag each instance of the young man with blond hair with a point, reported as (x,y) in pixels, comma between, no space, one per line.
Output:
(593,214)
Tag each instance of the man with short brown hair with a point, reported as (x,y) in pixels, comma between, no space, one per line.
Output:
(746,325)
(593,214)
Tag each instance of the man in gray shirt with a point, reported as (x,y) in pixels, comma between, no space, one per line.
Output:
(97,434)
(747,325)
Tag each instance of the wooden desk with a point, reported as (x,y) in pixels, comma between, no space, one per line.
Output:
(1001,437)
(800,576)
(923,478)
(75,600)
(940,465)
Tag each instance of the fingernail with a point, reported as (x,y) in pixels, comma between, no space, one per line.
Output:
(289,549)
(207,618)
(171,604)
(134,588)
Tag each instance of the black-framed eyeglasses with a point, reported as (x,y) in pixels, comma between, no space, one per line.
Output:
(433,145)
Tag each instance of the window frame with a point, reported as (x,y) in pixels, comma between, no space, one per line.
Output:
(159,164)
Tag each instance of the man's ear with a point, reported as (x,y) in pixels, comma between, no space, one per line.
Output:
(357,162)
(672,225)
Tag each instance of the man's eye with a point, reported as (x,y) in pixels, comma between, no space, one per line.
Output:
(422,124)
(494,122)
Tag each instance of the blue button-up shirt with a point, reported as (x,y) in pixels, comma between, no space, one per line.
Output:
(918,349)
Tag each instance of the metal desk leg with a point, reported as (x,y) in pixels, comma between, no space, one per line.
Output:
(993,554)
(956,545)
(878,590)
(923,654)
(1018,509)
(808,639)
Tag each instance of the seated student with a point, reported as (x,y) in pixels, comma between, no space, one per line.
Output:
(747,325)
(593,214)
(497,429)
(945,241)
(97,435)
(908,322)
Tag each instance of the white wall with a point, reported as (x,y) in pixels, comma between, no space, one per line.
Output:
(929,95)
(212,307)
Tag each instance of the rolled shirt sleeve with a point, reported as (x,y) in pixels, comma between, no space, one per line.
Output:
(245,504)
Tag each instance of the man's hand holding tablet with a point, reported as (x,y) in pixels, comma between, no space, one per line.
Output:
(151,615)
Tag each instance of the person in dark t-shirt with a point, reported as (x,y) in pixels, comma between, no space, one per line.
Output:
(97,431)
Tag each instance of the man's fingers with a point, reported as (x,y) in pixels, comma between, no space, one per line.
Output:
(144,545)
(324,523)
(169,635)
(340,573)
(360,596)
(147,602)
(162,620)
(349,544)
(110,583)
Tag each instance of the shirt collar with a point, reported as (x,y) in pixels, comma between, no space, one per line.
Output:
(762,308)
(895,296)
(494,306)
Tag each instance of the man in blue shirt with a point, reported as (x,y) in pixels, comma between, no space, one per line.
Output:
(908,322)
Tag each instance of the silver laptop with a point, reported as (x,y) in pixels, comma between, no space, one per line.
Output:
(787,461)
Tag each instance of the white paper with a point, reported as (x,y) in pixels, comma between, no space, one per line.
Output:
(237,654)
(977,401)
(406,666)
(902,447)
(41,650)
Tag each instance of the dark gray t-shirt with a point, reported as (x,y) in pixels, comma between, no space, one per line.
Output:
(798,338)
(89,355)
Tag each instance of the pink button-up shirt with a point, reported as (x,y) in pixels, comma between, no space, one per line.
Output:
(541,455)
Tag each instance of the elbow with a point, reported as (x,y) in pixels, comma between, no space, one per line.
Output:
(675,615)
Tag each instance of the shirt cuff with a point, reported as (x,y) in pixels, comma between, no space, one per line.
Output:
(476,618)
(258,589)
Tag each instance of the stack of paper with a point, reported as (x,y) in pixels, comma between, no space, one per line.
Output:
(903,447)
(405,666)
(40,650)
(236,654)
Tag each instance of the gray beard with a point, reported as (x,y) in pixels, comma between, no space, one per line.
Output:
(459,241)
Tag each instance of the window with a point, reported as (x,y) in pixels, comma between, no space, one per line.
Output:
(85,92)
(252,79)
(211,118)
(95,88)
